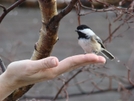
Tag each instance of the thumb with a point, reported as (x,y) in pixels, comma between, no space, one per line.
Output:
(45,63)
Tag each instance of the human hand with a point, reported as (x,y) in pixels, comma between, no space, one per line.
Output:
(25,72)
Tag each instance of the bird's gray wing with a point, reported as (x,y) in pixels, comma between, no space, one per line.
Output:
(100,42)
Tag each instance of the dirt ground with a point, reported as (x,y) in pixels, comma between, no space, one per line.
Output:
(19,31)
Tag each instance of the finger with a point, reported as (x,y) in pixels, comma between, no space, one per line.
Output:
(69,64)
(73,62)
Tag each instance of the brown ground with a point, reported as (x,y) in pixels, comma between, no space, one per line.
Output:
(19,32)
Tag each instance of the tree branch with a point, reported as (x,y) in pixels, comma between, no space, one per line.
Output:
(56,19)
(67,83)
(6,11)
(117,28)
(3,7)
(78,94)
(3,67)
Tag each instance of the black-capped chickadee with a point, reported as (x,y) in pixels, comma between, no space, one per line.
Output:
(90,42)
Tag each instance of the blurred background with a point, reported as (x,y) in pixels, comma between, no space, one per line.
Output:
(19,31)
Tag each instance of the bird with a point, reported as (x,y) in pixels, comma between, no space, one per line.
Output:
(91,43)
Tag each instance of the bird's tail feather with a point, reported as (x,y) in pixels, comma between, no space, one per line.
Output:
(107,54)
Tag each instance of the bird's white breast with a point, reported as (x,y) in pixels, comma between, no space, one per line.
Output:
(85,44)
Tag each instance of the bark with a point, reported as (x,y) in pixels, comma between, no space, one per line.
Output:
(48,36)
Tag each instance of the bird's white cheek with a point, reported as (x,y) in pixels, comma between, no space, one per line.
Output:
(88,32)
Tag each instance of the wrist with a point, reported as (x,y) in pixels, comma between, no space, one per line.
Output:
(7,86)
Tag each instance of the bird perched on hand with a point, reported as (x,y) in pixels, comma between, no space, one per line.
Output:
(90,42)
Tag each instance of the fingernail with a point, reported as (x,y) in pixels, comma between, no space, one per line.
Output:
(53,62)
(103,60)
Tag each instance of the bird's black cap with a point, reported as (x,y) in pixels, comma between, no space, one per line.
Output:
(80,33)
(81,27)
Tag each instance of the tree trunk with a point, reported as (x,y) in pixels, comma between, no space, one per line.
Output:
(44,45)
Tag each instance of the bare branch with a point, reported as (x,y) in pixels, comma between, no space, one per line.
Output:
(79,94)
(6,11)
(56,19)
(96,86)
(2,65)
(116,29)
(78,7)
(67,83)
(104,3)
(4,8)
(66,10)
(128,75)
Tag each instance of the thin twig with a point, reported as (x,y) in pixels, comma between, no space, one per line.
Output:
(78,9)
(78,94)
(109,27)
(110,8)
(128,74)
(117,28)
(118,17)
(78,85)
(4,8)
(104,3)
(2,65)
(96,86)
(6,11)
(67,83)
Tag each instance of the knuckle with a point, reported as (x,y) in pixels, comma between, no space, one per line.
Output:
(45,64)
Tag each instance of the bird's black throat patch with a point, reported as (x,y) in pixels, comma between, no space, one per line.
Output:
(82,35)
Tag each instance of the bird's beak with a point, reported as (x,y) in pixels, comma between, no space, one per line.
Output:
(76,31)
